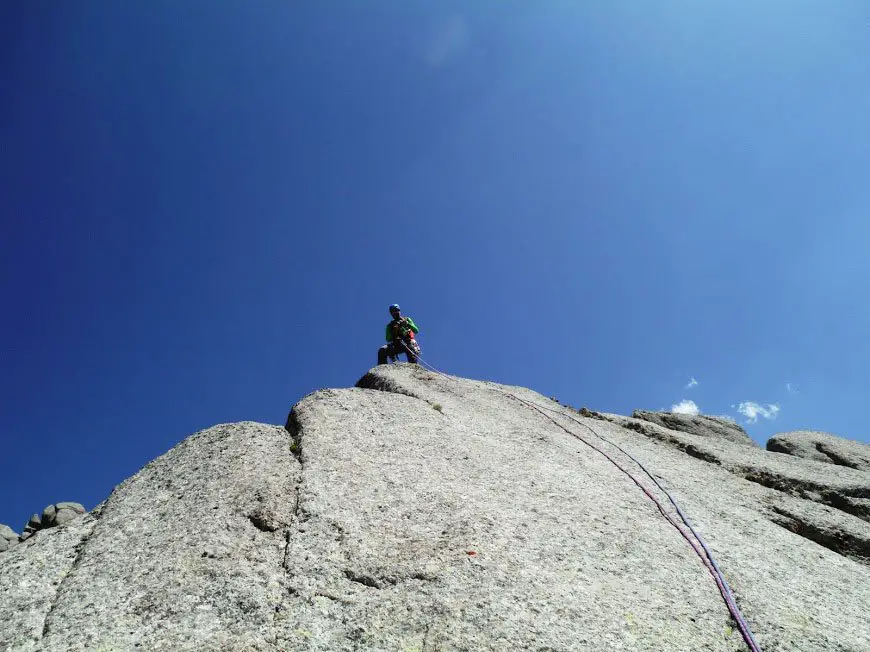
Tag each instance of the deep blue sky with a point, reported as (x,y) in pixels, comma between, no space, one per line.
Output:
(207,207)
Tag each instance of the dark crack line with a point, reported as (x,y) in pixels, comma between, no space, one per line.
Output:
(838,498)
(294,428)
(333,598)
(379,385)
(381,582)
(371,381)
(79,553)
(842,499)
(427,646)
(690,449)
(285,563)
(366,580)
(837,540)
(834,457)
(261,522)
(97,514)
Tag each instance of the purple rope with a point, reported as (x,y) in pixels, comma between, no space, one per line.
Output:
(725,589)
(706,556)
(718,578)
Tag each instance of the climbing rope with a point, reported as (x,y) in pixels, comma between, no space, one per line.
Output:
(702,551)
(698,544)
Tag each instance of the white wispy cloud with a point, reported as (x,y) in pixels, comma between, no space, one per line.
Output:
(791,388)
(685,407)
(448,39)
(692,383)
(752,410)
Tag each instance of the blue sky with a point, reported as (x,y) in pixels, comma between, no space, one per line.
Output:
(208,206)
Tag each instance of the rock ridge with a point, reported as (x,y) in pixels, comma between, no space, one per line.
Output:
(54,515)
(697,424)
(822,447)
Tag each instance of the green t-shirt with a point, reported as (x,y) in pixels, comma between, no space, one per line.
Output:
(404,325)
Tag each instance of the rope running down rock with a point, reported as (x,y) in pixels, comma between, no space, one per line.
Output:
(698,544)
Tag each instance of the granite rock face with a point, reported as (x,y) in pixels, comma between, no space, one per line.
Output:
(423,512)
(8,538)
(702,425)
(30,575)
(822,447)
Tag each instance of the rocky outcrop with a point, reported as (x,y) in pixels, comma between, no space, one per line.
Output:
(822,447)
(8,538)
(52,516)
(424,512)
(33,525)
(696,424)
(61,514)
(840,489)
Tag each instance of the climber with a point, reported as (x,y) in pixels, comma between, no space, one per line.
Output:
(400,337)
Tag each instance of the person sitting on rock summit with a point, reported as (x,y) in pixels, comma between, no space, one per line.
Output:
(400,337)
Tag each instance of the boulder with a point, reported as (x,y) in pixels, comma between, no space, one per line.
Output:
(822,447)
(703,426)
(65,516)
(7,533)
(8,538)
(33,524)
(67,512)
(78,508)
(60,514)
(48,515)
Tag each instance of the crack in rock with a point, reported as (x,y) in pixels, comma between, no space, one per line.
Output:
(846,499)
(263,522)
(653,432)
(834,457)
(366,580)
(333,598)
(79,553)
(831,537)
(294,427)
(853,500)
(384,581)
(373,381)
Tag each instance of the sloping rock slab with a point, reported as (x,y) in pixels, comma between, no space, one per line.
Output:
(30,575)
(187,554)
(798,590)
(478,526)
(703,426)
(822,447)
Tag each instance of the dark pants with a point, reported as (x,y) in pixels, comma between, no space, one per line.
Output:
(392,350)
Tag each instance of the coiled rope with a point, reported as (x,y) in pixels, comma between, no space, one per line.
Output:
(685,528)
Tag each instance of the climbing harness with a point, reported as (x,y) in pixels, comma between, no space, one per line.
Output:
(408,342)
(687,532)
